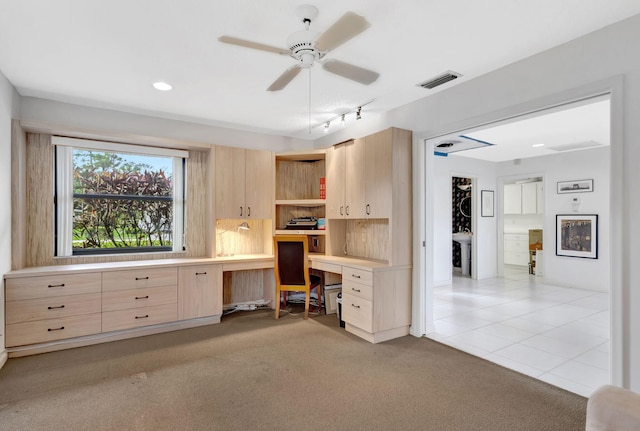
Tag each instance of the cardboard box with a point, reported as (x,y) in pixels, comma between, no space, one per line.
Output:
(535,239)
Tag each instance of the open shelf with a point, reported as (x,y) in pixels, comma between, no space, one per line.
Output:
(300,232)
(301,202)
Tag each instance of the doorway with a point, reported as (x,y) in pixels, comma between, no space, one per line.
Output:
(569,298)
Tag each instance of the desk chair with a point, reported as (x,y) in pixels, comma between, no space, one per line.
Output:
(291,268)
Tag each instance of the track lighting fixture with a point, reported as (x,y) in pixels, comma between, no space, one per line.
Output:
(358,115)
(342,122)
(326,126)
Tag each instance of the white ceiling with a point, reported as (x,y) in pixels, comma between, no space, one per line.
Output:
(108,53)
(577,126)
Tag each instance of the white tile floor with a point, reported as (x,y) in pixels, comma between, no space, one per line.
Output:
(557,334)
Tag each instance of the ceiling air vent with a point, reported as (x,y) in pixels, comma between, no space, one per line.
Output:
(439,80)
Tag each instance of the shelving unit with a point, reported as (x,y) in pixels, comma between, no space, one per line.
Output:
(298,177)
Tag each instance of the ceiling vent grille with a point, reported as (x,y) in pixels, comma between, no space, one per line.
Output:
(439,80)
(574,146)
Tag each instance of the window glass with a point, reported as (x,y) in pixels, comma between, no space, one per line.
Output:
(116,202)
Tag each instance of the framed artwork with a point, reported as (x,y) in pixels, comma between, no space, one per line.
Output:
(579,186)
(486,209)
(577,235)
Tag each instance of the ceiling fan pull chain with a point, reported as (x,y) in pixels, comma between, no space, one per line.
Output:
(309,100)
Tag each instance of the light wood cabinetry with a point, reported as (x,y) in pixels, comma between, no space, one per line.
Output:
(65,305)
(49,308)
(243,183)
(298,191)
(369,197)
(139,297)
(199,291)
(376,298)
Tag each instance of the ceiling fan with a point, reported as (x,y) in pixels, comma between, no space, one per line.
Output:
(308,47)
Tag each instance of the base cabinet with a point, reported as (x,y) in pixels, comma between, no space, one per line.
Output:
(65,306)
(199,291)
(376,304)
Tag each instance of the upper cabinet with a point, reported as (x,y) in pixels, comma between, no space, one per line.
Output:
(526,198)
(244,183)
(369,197)
(359,177)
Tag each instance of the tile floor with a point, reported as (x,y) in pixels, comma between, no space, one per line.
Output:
(557,334)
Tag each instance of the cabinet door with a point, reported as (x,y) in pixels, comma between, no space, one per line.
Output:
(355,179)
(335,174)
(259,184)
(230,182)
(378,178)
(199,291)
(539,198)
(529,199)
(512,199)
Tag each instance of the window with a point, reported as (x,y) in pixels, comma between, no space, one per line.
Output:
(117,198)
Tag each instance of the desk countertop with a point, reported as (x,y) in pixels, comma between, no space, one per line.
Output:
(251,261)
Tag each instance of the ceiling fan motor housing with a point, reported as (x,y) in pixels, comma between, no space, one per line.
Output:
(301,44)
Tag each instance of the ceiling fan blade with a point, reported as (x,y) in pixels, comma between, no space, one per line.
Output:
(349,71)
(284,79)
(348,26)
(253,45)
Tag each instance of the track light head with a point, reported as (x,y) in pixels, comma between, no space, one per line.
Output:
(358,113)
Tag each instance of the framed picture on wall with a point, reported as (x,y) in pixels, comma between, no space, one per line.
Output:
(577,235)
(577,186)
(486,200)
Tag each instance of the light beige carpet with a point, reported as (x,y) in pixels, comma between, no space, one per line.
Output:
(252,372)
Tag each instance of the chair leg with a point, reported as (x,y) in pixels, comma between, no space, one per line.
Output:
(277,303)
(306,304)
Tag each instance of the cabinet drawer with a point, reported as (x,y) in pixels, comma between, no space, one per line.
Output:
(135,298)
(28,310)
(357,312)
(19,334)
(364,291)
(52,285)
(327,267)
(135,317)
(357,275)
(139,278)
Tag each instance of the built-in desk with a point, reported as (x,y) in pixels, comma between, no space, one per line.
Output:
(58,307)
(376,297)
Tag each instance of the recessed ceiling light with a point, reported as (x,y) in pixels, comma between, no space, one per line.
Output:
(538,145)
(162,86)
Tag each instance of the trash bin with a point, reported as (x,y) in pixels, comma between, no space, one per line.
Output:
(339,311)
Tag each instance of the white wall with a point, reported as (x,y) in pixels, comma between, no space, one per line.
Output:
(8,109)
(593,164)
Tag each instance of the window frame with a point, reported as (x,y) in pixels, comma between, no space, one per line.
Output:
(64,196)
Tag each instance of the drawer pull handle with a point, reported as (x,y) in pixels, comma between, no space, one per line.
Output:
(355,276)
(355,290)
(142,317)
(55,329)
(201,273)
(355,306)
(142,297)
(142,278)
(56,285)
(54,308)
